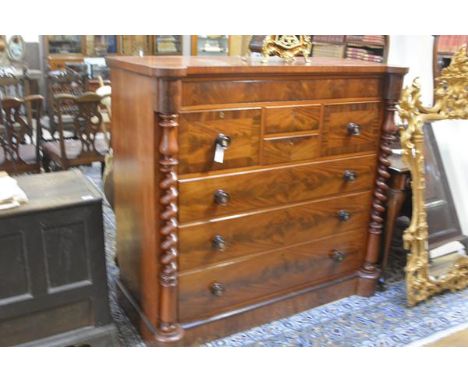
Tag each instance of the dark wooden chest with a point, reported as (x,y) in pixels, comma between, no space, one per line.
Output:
(53,285)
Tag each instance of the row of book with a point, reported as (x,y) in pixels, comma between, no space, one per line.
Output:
(449,44)
(366,39)
(334,51)
(363,55)
(329,39)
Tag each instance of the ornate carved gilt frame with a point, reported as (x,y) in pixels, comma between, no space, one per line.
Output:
(287,47)
(451,102)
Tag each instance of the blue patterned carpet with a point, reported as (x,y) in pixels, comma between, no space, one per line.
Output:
(381,320)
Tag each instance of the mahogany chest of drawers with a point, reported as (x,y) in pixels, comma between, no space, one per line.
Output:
(245,192)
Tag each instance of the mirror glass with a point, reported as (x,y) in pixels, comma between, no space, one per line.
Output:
(444,194)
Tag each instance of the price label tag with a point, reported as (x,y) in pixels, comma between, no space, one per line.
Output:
(219,154)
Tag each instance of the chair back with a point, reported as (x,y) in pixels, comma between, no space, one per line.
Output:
(87,123)
(64,82)
(19,130)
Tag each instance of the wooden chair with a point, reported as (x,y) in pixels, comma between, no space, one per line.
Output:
(89,144)
(13,87)
(63,82)
(19,141)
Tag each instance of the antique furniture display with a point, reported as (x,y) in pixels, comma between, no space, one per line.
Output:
(432,270)
(88,143)
(210,45)
(132,45)
(19,138)
(60,49)
(53,285)
(246,191)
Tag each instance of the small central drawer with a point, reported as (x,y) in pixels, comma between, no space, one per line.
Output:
(282,119)
(232,284)
(292,148)
(200,130)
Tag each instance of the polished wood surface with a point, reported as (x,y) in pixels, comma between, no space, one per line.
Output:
(337,138)
(198,133)
(272,186)
(271,228)
(266,274)
(205,244)
(283,119)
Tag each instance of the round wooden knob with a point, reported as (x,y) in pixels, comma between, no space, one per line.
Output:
(353,129)
(219,243)
(221,197)
(349,176)
(223,140)
(343,215)
(337,256)
(217,289)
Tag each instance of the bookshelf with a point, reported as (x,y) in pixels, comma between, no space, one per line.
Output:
(359,47)
(444,48)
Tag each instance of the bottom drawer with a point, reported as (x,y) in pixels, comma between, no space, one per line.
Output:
(232,284)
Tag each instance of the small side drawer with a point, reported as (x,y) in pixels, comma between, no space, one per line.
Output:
(290,149)
(199,130)
(351,127)
(230,285)
(284,119)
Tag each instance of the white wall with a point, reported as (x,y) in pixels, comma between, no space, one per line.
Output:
(416,52)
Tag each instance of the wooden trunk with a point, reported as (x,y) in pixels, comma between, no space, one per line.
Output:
(290,219)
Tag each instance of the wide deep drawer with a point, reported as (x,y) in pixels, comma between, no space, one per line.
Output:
(199,131)
(273,186)
(226,238)
(351,127)
(230,285)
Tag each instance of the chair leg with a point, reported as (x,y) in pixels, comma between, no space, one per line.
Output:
(103,168)
(46,163)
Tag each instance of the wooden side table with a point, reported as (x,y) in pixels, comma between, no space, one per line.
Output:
(53,284)
(399,188)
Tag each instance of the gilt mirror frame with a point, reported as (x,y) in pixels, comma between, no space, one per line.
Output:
(451,103)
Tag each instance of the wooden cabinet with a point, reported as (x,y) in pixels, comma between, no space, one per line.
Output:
(52,265)
(290,218)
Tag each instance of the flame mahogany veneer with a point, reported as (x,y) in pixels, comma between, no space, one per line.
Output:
(290,220)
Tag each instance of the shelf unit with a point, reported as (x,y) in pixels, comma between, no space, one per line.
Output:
(444,48)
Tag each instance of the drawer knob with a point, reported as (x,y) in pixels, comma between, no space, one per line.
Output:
(217,289)
(221,197)
(349,176)
(219,243)
(223,140)
(337,256)
(353,129)
(343,215)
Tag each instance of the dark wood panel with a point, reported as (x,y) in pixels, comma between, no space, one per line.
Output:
(198,132)
(290,149)
(209,92)
(262,231)
(269,187)
(282,119)
(66,253)
(65,318)
(14,267)
(337,139)
(242,282)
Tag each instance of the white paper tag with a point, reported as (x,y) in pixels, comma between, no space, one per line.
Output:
(219,154)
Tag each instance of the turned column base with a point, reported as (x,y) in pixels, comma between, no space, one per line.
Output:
(367,282)
(169,338)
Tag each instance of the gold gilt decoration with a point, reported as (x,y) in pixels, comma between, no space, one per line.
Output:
(451,102)
(287,47)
